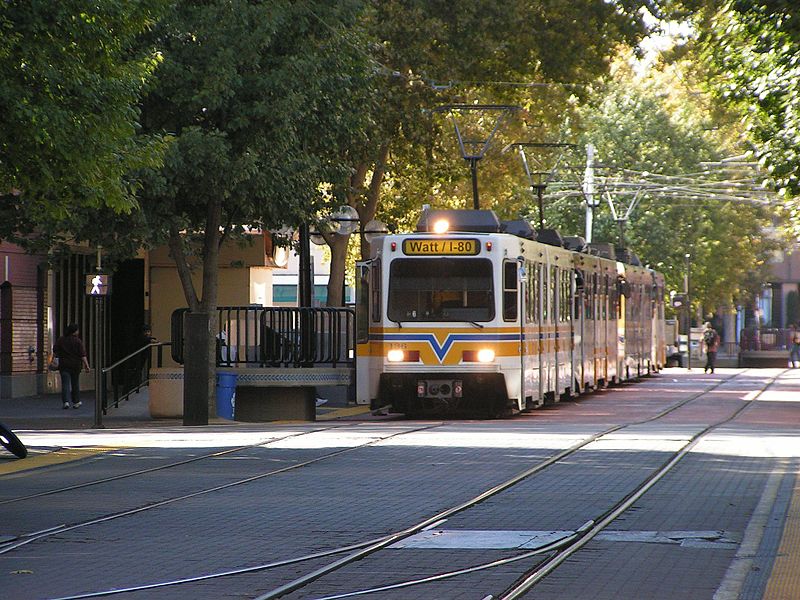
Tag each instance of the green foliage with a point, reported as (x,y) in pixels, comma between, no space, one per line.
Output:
(529,54)
(752,51)
(262,101)
(70,78)
(637,130)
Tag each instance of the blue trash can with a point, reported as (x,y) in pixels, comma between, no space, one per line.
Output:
(226,395)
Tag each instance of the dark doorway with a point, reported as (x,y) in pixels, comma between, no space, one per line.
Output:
(125,309)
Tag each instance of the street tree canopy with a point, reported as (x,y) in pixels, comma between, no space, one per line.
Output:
(541,56)
(751,50)
(656,128)
(71,75)
(260,100)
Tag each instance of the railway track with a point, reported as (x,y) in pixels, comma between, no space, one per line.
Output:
(25,539)
(545,558)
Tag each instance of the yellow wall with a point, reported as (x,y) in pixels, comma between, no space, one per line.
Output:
(239,269)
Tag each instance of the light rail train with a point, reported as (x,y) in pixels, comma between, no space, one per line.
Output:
(473,316)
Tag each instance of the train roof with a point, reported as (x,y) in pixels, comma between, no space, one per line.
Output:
(486,221)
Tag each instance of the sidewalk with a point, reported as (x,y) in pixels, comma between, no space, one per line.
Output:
(44,412)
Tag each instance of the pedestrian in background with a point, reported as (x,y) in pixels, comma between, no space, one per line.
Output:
(145,340)
(71,354)
(794,347)
(711,343)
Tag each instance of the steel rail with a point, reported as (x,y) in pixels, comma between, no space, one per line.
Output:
(77,486)
(308,578)
(151,505)
(549,565)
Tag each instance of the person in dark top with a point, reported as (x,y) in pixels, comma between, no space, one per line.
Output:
(71,356)
(711,343)
(144,358)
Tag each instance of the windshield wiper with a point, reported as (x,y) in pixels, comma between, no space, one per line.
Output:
(398,323)
(476,324)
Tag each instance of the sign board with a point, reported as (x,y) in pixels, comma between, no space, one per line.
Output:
(441,247)
(98,284)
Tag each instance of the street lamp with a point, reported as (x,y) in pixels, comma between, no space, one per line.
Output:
(343,221)
(374,229)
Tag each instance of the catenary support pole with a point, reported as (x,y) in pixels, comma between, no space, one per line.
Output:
(688,312)
(589,190)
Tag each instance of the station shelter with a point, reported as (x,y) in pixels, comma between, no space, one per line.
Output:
(40,297)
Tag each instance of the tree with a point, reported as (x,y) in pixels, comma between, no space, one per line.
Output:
(258,98)
(657,127)
(437,52)
(751,50)
(70,78)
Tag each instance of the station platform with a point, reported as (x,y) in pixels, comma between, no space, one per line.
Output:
(45,412)
(724,526)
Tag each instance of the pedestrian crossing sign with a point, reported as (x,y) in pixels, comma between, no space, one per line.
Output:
(98,284)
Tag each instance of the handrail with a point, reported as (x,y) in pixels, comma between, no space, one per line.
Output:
(132,378)
(135,353)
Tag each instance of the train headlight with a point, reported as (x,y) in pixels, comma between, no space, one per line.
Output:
(485,355)
(441,226)
(395,355)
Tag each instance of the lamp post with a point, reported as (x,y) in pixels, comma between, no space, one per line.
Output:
(687,285)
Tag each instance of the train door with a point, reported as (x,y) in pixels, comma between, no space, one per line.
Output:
(587,341)
(514,314)
(538,352)
(609,329)
(579,329)
(564,374)
(545,329)
(553,297)
(525,333)
(622,312)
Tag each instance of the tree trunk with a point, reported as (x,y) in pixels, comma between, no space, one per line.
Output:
(366,207)
(199,388)
(200,323)
(338,247)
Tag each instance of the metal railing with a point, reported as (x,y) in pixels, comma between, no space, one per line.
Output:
(766,339)
(259,336)
(128,375)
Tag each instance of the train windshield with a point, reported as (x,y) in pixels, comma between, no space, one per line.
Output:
(441,289)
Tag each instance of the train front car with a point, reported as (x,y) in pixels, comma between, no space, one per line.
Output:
(438,318)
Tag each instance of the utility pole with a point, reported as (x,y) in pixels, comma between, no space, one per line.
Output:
(589,191)
(688,312)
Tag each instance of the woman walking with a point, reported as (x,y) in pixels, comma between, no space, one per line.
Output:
(71,356)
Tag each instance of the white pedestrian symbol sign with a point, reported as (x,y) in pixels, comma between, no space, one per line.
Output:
(98,284)
(97,281)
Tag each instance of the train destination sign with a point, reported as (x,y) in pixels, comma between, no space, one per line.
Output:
(418,247)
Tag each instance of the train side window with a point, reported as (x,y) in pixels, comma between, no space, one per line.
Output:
(362,303)
(510,302)
(530,286)
(375,284)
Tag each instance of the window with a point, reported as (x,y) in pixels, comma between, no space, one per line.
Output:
(362,303)
(376,290)
(440,289)
(287,294)
(510,302)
